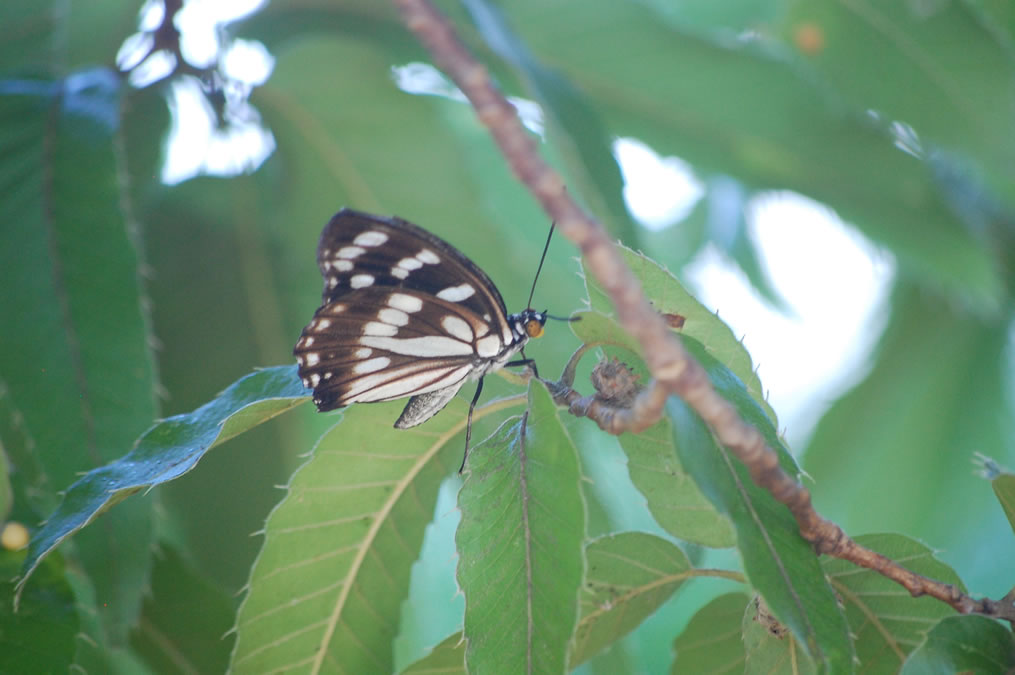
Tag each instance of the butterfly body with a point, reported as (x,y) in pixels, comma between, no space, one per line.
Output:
(403,313)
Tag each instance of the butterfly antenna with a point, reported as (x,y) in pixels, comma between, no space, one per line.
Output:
(540,268)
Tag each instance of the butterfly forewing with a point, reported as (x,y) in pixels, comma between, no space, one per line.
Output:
(404,314)
(359,250)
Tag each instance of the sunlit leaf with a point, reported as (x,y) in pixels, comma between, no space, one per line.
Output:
(520,544)
(447,658)
(334,569)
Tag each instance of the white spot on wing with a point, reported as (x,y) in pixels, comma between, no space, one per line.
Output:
(350,252)
(337,308)
(342,265)
(428,256)
(377,329)
(363,352)
(395,317)
(315,380)
(370,238)
(307,342)
(361,280)
(371,366)
(399,273)
(489,346)
(332,282)
(457,293)
(409,264)
(322,324)
(457,328)
(406,303)
(313,358)
(431,346)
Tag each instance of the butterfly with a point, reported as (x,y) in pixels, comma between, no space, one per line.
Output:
(404,313)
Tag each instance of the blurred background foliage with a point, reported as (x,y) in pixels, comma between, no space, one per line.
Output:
(129,294)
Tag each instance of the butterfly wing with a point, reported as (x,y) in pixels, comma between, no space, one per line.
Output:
(404,314)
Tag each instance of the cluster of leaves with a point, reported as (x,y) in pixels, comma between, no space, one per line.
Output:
(866,107)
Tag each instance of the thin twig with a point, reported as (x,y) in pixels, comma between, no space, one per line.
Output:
(674,370)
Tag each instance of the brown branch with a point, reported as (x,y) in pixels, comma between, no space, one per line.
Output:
(674,370)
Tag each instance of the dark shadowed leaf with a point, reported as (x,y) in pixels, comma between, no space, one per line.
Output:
(713,641)
(166,451)
(628,576)
(964,644)
(778,562)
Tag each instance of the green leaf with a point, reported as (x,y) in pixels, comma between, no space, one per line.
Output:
(82,347)
(41,636)
(575,130)
(165,452)
(771,649)
(777,560)
(887,622)
(1003,484)
(334,569)
(674,500)
(1004,490)
(713,641)
(184,620)
(520,544)
(740,107)
(963,644)
(628,577)
(929,49)
(668,296)
(447,658)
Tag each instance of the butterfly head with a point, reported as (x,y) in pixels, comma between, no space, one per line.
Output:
(528,323)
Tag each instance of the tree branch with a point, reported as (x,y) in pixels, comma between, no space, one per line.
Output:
(673,369)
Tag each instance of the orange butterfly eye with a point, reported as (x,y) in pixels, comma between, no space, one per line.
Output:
(533,328)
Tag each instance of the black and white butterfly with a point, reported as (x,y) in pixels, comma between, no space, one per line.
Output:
(404,313)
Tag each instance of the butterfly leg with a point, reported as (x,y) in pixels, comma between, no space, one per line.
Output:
(468,425)
(524,361)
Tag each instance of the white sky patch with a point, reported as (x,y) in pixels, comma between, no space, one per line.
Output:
(199,22)
(196,146)
(659,191)
(247,61)
(835,283)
